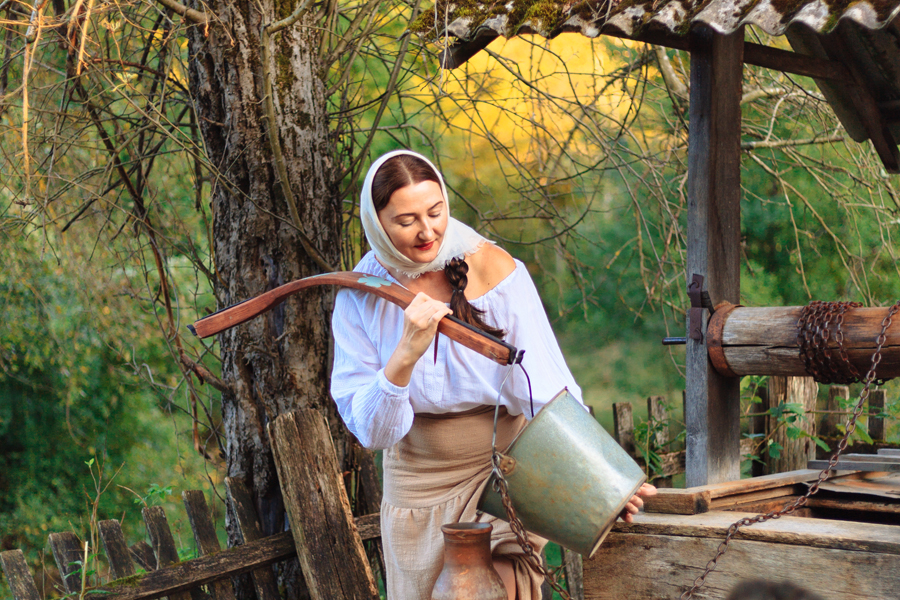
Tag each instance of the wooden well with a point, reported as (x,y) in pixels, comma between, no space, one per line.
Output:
(845,545)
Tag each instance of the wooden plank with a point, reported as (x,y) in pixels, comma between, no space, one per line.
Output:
(117,553)
(699,499)
(142,554)
(623,425)
(21,583)
(793,531)
(844,505)
(876,407)
(328,544)
(796,451)
(179,578)
(678,502)
(731,502)
(574,566)
(249,529)
(162,542)
(858,465)
(669,564)
(68,552)
(712,416)
(205,538)
(889,451)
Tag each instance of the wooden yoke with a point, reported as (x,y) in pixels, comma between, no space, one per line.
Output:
(455,329)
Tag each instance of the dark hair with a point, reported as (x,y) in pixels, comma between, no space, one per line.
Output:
(403,170)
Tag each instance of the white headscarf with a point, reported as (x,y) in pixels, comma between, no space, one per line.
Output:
(459,239)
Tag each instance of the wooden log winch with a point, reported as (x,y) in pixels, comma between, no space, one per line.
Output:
(834,342)
(744,340)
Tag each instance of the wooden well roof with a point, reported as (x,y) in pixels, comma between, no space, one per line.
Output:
(856,42)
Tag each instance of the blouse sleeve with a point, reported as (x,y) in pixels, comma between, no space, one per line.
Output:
(377,412)
(529,329)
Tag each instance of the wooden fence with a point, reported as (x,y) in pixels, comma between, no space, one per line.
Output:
(823,419)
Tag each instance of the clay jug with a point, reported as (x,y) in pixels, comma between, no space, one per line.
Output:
(468,572)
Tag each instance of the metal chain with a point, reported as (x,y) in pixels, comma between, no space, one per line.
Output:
(818,314)
(501,487)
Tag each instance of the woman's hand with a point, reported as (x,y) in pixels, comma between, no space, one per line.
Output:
(420,322)
(636,503)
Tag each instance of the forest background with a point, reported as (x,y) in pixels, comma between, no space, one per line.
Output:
(570,153)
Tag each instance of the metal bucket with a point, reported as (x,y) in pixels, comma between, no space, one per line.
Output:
(568,478)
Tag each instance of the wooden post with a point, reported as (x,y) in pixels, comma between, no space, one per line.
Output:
(328,544)
(623,418)
(876,405)
(828,425)
(796,452)
(712,414)
(658,423)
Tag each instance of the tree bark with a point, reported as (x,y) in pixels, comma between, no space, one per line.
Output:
(279,361)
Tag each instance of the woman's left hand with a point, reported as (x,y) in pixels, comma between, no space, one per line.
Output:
(636,503)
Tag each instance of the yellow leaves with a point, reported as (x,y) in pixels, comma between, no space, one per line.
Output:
(105,310)
(111,25)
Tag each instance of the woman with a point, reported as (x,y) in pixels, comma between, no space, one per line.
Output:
(434,416)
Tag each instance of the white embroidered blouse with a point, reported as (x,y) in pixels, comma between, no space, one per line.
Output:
(367,329)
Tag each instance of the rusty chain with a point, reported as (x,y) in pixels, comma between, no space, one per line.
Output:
(500,486)
(813,334)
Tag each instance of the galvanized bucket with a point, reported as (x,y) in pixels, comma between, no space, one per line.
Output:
(568,478)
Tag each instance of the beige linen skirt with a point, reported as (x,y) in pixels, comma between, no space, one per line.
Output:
(433,476)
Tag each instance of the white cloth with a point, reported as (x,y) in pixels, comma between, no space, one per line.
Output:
(367,329)
(459,239)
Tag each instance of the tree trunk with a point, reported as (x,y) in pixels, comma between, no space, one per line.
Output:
(280,361)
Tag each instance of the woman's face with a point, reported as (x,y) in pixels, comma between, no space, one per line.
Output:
(415,219)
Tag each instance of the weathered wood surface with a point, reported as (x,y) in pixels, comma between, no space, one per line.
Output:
(162,542)
(142,554)
(796,451)
(657,566)
(574,567)
(763,341)
(712,416)
(117,553)
(623,417)
(177,579)
(828,425)
(700,499)
(205,538)
(68,553)
(328,544)
(241,502)
(21,583)
(876,407)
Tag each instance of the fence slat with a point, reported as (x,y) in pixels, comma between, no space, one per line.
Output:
(574,574)
(21,583)
(181,577)
(162,541)
(876,405)
(142,554)
(248,525)
(120,564)
(828,424)
(329,547)
(67,551)
(205,537)
(623,415)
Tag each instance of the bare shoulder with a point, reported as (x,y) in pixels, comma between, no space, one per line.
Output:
(488,267)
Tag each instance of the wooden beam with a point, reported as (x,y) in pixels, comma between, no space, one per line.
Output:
(328,543)
(712,416)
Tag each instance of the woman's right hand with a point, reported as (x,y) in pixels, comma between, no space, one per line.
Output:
(420,323)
